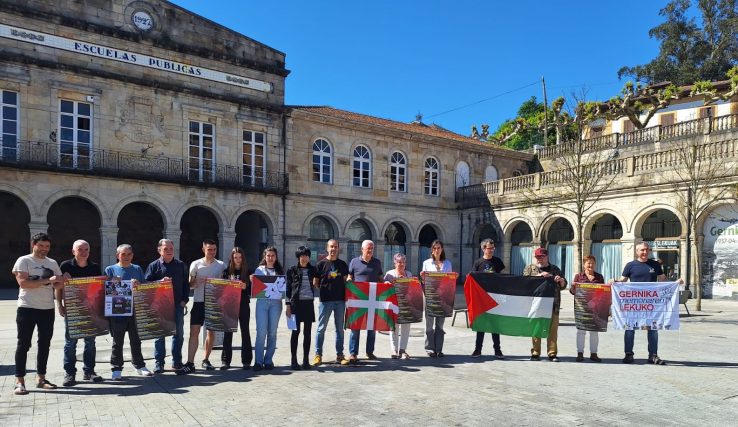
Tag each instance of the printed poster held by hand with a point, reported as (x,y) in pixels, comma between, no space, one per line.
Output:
(222,304)
(118,298)
(440,293)
(84,300)
(269,287)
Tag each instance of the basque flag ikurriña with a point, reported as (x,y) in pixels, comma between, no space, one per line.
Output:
(510,305)
(371,306)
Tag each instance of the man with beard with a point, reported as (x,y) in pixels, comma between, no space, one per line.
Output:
(331,279)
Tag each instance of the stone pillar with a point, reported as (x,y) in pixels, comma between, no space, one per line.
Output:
(343,249)
(226,241)
(413,252)
(108,245)
(628,251)
(38,226)
(174,234)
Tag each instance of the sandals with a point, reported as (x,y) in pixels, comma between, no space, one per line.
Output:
(45,385)
(656,360)
(20,389)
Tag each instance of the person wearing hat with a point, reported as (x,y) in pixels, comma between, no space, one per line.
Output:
(541,267)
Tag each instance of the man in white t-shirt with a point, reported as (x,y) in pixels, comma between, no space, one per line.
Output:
(37,277)
(200,271)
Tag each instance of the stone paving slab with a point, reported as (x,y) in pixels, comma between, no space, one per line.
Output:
(699,386)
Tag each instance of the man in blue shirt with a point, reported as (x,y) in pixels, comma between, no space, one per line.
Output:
(643,269)
(119,325)
(169,266)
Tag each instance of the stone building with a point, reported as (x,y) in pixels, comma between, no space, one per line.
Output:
(128,121)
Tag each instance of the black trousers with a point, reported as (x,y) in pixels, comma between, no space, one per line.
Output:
(27,319)
(118,328)
(480,341)
(306,332)
(247,350)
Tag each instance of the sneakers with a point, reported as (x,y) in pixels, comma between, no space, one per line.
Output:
(593,357)
(144,372)
(341,359)
(69,380)
(295,366)
(655,360)
(207,365)
(371,356)
(257,367)
(318,360)
(188,368)
(628,359)
(535,357)
(117,376)
(553,358)
(92,376)
(499,355)
(477,353)
(159,368)
(580,357)
(352,360)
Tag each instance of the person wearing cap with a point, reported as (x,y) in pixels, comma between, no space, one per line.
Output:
(541,267)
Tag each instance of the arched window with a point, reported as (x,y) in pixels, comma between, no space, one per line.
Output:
(462,175)
(430,177)
(320,232)
(490,174)
(362,176)
(398,172)
(322,161)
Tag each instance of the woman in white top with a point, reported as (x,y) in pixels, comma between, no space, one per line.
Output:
(437,263)
(268,312)
(404,328)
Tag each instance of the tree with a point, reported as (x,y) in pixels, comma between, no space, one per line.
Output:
(526,129)
(691,50)
(701,174)
(578,180)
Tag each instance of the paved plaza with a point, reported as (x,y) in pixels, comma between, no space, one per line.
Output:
(699,386)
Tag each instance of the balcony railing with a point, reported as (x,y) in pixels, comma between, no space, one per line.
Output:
(646,163)
(651,134)
(120,164)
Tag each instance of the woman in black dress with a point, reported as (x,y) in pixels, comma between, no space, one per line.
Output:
(300,295)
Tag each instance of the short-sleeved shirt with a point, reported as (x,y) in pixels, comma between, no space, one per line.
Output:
(332,275)
(131,272)
(392,275)
(363,271)
(90,270)
(199,269)
(39,298)
(493,265)
(638,271)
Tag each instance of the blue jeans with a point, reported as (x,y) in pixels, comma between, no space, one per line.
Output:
(653,341)
(325,309)
(160,351)
(354,341)
(267,319)
(70,353)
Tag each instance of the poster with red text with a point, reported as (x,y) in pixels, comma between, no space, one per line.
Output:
(592,306)
(222,304)
(409,300)
(440,293)
(84,300)
(645,305)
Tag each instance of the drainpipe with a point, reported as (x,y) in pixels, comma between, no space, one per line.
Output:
(461,243)
(284,170)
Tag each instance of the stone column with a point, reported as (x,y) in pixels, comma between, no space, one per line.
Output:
(174,234)
(629,243)
(226,241)
(343,249)
(38,226)
(108,245)
(413,252)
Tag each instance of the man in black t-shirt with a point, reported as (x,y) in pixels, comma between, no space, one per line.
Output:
(331,279)
(79,266)
(488,263)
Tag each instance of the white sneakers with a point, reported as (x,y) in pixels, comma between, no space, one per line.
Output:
(117,376)
(144,372)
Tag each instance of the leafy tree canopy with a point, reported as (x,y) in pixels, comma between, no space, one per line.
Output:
(691,49)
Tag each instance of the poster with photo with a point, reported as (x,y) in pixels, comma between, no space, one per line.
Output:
(118,298)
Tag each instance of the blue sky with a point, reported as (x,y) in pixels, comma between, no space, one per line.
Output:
(394,59)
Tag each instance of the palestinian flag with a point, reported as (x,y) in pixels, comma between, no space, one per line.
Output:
(269,287)
(510,305)
(371,306)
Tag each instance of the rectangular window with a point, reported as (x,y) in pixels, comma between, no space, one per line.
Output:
(254,146)
(397,178)
(75,134)
(667,119)
(9,125)
(201,151)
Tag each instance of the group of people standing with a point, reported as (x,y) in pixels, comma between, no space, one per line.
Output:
(41,281)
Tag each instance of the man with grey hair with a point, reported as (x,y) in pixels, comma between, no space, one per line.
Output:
(488,263)
(167,266)
(78,266)
(364,268)
(124,269)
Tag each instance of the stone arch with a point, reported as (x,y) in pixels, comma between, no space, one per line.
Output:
(256,208)
(220,216)
(510,225)
(71,218)
(28,200)
(100,206)
(155,202)
(332,220)
(462,174)
(253,235)
(195,226)
(141,224)
(551,221)
(15,238)
(596,216)
(317,243)
(369,222)
(643,214)
(407,228)
(438,230)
